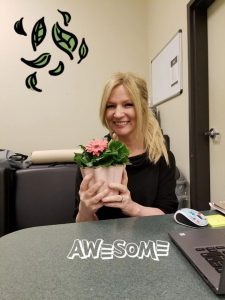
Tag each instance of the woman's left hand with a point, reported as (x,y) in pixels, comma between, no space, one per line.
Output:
(123,199)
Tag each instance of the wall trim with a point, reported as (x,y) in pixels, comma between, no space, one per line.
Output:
(198,103)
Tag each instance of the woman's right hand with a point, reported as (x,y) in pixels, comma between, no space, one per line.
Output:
(90,199)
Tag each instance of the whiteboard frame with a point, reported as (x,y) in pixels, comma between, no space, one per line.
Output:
(166,71)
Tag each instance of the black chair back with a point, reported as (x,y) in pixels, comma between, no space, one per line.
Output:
(45,195)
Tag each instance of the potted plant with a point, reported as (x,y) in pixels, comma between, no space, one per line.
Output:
(105,160)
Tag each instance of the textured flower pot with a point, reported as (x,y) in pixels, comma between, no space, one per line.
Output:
(112,174)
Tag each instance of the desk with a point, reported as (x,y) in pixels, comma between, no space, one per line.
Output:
(34,264)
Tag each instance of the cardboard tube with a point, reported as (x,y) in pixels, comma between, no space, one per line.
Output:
(53,156)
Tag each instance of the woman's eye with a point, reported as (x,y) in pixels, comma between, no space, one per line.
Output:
(129,105)
(108,106)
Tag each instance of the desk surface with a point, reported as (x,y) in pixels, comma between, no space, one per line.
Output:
(34,263)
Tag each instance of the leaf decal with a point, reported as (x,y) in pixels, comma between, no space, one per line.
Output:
(38,33)
(64,40)
(31,82)
(58,70)
(66,17)
(18,27)
(83,50)
(40,62)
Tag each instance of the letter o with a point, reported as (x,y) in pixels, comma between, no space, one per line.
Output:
(132,249)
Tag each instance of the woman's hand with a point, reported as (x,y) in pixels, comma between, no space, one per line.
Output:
(123,199)
(90,199)
(125,203)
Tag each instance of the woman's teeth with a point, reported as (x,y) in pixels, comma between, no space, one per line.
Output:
(121,122)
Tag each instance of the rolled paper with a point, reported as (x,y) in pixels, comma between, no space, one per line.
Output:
(53,156)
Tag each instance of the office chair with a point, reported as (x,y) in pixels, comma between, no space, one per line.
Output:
(45,195)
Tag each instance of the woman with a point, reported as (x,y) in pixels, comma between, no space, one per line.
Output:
(148,184)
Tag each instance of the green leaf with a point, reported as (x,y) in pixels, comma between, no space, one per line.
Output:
(38,33)
(64,40)
(31,82)
(66,17)
(58,70)
(83,50)
(40,62)
(18,27)
(116,154)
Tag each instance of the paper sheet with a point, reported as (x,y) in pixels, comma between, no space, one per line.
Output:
(214,206)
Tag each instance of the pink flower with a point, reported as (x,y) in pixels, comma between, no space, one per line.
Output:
(96,147)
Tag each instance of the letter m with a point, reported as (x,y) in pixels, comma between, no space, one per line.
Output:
(147,249)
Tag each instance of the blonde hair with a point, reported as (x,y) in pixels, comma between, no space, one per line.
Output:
(147,124)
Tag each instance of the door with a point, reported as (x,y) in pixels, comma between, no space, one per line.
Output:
(216,71)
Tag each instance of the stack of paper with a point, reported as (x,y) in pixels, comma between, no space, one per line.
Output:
(216,220)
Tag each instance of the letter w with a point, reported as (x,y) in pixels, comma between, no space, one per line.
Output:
(92,249)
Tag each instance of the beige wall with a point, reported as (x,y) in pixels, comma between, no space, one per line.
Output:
(165,18)
(65,113)
(122,35)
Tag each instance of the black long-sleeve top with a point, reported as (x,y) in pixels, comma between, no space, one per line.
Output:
(151,185)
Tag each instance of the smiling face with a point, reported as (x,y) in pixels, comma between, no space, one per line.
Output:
(120,113)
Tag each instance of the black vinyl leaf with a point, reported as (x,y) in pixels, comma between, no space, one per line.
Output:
(18,27)
(58,70)
(40,62)
(31,82)
(66,17)
(64,40)
(83,50)
(38,33)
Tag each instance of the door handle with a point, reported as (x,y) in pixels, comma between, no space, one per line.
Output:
(212,133)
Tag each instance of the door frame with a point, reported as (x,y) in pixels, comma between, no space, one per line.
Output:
(198,103)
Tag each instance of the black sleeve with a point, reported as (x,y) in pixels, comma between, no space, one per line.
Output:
(166,199)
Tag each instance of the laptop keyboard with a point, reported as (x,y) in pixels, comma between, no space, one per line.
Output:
(214,255)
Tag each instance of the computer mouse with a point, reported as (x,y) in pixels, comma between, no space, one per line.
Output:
(190,217)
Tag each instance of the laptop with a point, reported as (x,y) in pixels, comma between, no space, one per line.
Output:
(205,249)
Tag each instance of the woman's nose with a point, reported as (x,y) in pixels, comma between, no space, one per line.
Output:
(118,112)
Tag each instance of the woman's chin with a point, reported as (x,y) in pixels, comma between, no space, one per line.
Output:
(122,133)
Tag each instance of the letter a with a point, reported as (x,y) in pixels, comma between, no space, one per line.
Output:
(76,250)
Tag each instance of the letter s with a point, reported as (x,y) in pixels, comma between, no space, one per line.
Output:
(118,247)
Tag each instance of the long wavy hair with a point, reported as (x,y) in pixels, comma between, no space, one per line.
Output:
(147,124)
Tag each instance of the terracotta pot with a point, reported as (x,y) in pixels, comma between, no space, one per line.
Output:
(112,174)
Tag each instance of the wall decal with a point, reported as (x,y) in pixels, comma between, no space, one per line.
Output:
(40,62)
(83,50)
(31,82)
(66,17)
(38,33)
(18,27)
(58,70)
(63,39)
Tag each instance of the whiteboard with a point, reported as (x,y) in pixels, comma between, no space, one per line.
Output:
(166,72)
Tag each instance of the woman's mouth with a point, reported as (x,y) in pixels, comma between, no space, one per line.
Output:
(121,123)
